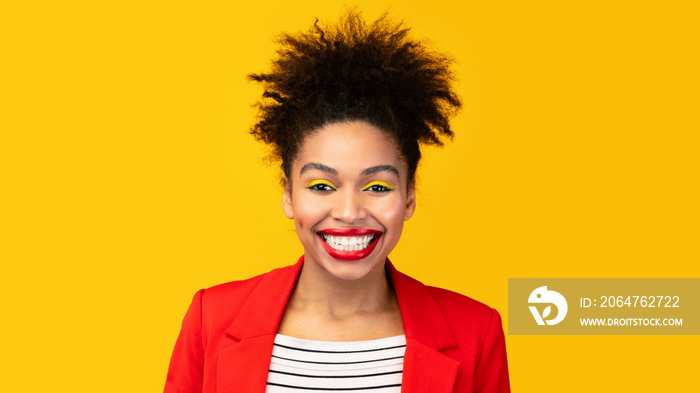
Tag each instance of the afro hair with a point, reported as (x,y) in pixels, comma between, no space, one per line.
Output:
(355,71)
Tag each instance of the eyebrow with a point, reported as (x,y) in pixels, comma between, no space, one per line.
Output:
(369,171)
(380,168)
(320,167)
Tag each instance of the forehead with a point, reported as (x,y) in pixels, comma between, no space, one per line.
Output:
(349,147)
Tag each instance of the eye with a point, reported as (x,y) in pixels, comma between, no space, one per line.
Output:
(378,186)
(320,186)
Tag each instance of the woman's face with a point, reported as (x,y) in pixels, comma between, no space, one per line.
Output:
(349,198)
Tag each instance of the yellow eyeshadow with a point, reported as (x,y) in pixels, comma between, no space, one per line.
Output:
(379,183)
(319,181)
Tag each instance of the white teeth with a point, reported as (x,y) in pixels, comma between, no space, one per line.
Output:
(348,243)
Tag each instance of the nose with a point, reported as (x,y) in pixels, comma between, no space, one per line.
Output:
(349,207)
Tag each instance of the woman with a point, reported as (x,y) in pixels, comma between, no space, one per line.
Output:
(345,108)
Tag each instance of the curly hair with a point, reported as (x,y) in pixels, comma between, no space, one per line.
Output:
(355,71)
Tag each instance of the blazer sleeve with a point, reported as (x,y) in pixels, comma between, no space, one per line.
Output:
(491,374)
(185,374)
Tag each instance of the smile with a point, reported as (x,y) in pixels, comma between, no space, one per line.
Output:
(349,244)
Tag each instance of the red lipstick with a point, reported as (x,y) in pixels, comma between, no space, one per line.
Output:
(349,255)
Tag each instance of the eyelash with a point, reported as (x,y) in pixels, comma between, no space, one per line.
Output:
(320,185)
(326,186)
(383,187)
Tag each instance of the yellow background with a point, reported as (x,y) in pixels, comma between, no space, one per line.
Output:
(129,180)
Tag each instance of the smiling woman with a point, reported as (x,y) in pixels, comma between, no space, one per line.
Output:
(345,109)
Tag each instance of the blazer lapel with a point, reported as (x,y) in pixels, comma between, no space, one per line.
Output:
(243,366)
(425,368)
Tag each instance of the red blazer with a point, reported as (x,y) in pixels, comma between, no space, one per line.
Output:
(453,343)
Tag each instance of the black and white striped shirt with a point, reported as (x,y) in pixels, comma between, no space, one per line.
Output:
(299,365)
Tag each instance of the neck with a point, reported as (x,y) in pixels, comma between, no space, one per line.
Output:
(320,292)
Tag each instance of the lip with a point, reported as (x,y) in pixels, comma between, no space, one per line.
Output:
(349,255)
(349,231)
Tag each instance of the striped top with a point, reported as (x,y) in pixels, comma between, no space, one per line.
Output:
(299,365)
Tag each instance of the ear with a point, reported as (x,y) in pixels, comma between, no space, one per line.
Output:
(287,198)
(410,202)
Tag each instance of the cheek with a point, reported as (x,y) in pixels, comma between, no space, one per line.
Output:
(390,213)
(308,212)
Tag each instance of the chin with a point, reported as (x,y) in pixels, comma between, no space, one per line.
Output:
(349,273)
(350,270)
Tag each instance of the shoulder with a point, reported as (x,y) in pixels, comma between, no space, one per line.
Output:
(442,310)
(456,308)
(459,308)
(234,292)
(220,304)
(466,317)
